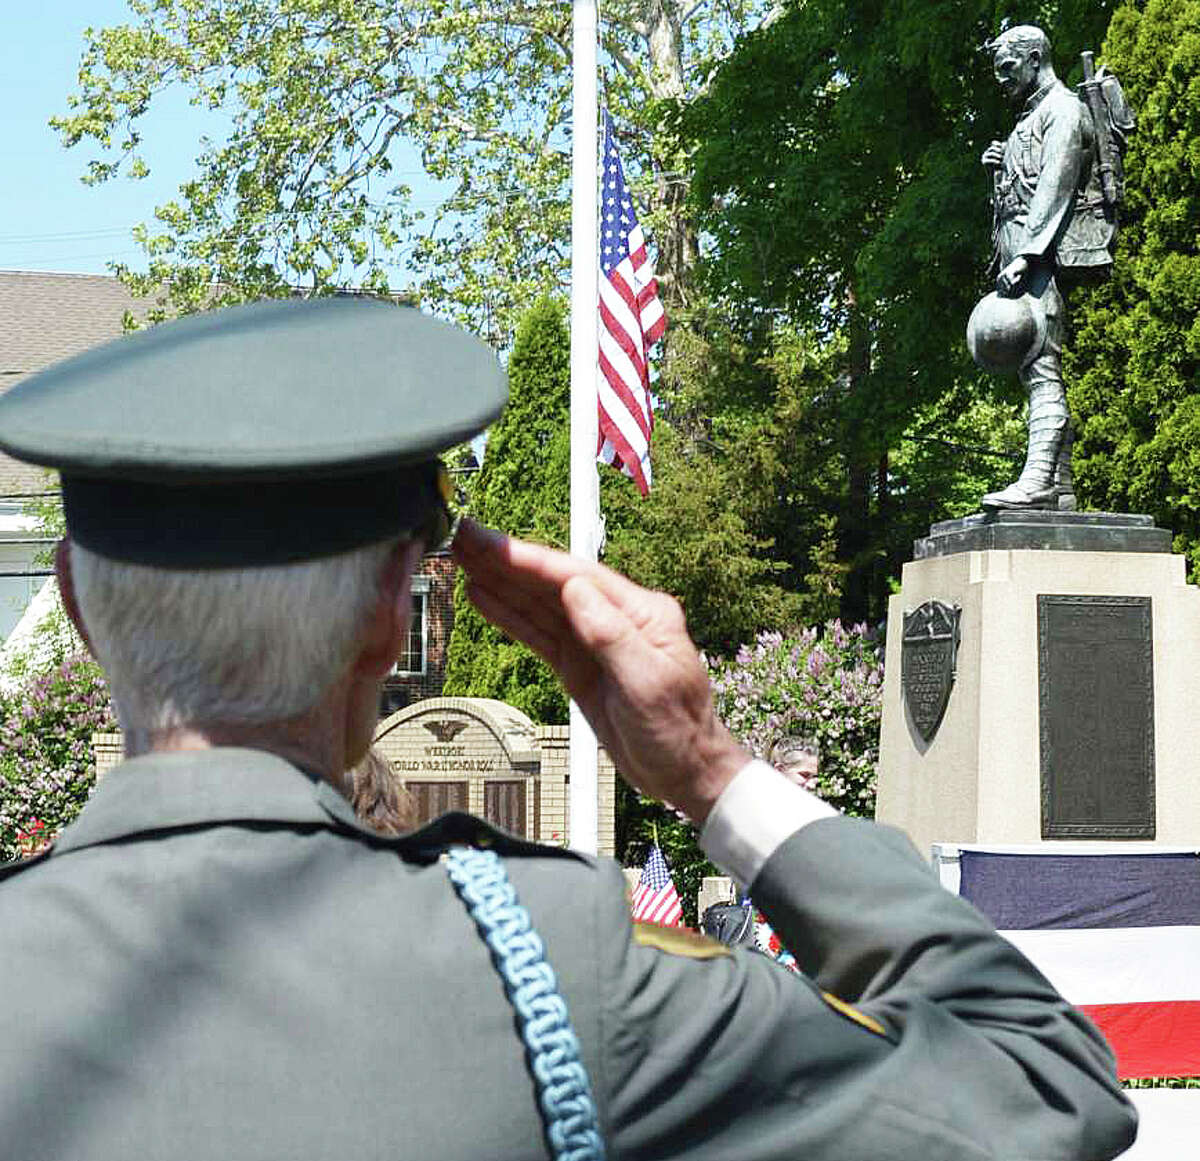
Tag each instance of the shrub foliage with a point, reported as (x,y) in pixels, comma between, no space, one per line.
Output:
(523,488)
(827,685)
(47,766)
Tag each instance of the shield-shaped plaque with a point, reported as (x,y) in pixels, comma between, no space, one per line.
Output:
(927,662)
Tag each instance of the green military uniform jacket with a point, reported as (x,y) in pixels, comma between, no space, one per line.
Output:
(217,962)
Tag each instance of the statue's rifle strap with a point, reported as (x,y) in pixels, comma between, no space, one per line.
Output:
(563,1090)
(1094,100)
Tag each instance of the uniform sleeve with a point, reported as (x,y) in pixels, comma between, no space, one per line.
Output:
(917,1032)
(1065,146)
(756,813)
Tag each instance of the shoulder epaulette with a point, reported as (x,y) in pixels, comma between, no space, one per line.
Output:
(678,941)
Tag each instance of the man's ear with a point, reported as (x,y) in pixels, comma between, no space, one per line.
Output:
(66,590)
(388,627)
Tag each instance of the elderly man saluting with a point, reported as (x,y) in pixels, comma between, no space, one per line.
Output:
(216,960)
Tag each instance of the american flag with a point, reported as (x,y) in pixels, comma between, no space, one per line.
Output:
(631,322)
(656,900)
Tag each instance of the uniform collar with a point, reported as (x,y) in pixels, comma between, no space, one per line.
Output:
(196,788)
(1038,96)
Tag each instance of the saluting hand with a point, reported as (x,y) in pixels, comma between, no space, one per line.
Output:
(622,652)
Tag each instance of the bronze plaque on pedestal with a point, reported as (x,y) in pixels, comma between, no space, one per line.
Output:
(1096,706)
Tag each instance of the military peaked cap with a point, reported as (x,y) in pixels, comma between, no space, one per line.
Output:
(257,434)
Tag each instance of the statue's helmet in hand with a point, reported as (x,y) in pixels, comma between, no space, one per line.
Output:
(1003,334)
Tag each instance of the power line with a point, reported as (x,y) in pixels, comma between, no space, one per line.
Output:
(17,264)
(99,232)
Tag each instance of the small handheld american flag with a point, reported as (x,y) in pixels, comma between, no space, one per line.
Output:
(631,322)
(656,900)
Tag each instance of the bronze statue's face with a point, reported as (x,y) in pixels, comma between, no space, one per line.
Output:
(1016,70)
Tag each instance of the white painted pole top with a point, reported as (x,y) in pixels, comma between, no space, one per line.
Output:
(583,800)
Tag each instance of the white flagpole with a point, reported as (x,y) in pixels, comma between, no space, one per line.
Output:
(583,830)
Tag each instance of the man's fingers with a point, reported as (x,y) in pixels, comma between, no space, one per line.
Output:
(606,630)
(474,540)
(508,563)
(504,560)
(634,601)
(550,638)
(516,622)
(576,614)
(518,586)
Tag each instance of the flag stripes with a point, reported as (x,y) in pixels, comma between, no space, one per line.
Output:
(1107,966)
(1117,934)
(656,900)
(631,322)
(1151,1039)
(1150,889)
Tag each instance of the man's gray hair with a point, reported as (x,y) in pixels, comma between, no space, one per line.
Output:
(185,648)
(1024,37)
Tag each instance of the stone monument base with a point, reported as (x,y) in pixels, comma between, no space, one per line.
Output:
(1074,711)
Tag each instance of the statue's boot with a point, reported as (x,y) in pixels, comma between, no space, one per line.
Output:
(1064,477)
(1036,487)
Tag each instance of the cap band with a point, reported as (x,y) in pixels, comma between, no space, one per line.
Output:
(247,524)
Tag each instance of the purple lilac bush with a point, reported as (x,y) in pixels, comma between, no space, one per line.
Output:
(826,684)
(47,768)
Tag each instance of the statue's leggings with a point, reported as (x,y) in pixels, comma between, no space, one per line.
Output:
(1048,455)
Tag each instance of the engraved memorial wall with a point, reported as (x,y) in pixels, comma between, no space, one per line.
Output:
(489,759)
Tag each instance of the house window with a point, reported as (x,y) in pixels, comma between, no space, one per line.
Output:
(413,655)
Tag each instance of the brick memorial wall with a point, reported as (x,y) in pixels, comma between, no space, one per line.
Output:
(485,757)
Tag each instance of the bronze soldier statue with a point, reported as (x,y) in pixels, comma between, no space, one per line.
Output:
(1055,191)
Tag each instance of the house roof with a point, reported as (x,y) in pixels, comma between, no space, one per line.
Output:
(45,318)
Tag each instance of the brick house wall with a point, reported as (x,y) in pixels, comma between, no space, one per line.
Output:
(422,672)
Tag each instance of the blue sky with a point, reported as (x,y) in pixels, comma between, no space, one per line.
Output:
(49,220)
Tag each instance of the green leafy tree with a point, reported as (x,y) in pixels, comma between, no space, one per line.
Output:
(836,171)
(522,488)
(312,99)
(691,537)
(761,426)
(1132,374)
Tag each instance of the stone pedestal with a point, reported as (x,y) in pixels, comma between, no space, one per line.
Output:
(1074,711)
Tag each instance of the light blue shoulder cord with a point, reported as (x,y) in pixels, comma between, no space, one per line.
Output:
(564,1093)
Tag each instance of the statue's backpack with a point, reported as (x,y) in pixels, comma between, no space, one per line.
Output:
(1085,250)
